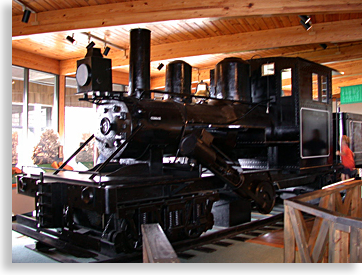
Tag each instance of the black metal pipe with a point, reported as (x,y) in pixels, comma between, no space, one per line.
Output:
(139,62)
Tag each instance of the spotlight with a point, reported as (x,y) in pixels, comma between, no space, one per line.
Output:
(307,26)
(71,39)
(26,16)
(106,50)
(306,19)
(324,46)
(90,45)
(160,66)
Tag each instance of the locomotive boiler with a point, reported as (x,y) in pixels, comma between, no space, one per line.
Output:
(266,125)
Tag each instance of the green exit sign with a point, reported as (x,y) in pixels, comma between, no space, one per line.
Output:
(351,94)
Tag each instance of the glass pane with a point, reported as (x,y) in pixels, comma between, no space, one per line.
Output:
(79,125)
(315,94)
(42,137)
(324,88)
(17,114)
(267,69)
(286,75)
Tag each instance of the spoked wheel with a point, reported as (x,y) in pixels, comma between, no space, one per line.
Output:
(127,238)
(265,194)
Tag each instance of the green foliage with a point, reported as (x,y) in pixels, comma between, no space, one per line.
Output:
(47,149)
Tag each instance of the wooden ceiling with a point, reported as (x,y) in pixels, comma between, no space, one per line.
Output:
(200,33)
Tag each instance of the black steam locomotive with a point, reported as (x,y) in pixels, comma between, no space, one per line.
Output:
(264,125)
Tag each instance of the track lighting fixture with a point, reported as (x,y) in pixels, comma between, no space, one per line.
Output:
(106,50)
(305,22)
(26,16)
(160,66)
(71,39)
(26,12)
(324,46)
(90,45)
(306,19)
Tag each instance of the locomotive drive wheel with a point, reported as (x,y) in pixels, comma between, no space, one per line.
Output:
(265,193)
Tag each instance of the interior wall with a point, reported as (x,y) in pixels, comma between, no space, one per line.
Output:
(355,108)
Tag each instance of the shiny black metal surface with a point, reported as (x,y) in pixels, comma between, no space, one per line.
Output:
(139,62)
(178,80)
(232,79)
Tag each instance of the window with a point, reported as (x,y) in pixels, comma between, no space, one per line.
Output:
(17,113)
(319,87)
(286,82)
(267,69)
(79,125)
(314,133)
(315,87)
(33,96)
(324,88)
(41,101)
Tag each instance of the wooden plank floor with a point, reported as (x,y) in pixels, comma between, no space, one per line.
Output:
(276,237)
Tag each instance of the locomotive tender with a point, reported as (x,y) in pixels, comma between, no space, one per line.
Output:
(267,125)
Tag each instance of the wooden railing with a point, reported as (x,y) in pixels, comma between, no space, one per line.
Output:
(335,234)
(156,247)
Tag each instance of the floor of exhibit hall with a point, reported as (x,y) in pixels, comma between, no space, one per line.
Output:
(238,252)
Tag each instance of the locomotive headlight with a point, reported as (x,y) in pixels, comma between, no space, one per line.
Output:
(94,73)
(83,75)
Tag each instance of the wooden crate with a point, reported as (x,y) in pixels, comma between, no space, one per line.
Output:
(336,235)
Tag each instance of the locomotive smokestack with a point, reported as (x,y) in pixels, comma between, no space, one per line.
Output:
(139,62)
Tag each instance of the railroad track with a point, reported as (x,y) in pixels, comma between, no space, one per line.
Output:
(260,224)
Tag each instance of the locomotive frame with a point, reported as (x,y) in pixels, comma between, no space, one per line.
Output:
(249,137)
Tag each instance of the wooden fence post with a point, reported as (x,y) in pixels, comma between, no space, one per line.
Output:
(289,238)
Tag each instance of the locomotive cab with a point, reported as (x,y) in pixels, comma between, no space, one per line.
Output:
(298,93)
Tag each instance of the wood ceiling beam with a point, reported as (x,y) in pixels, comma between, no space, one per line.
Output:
(336,32)
(146,11)
(334,54)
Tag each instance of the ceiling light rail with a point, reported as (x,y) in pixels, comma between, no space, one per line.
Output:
(103,40)
(26,13)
